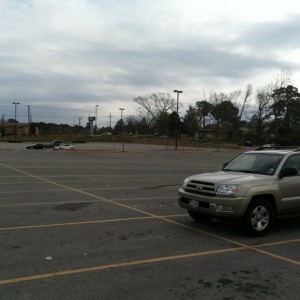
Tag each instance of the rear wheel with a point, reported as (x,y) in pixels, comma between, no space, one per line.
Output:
(259,218)
(199,217)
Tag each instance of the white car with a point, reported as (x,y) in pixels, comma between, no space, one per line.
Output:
(65,147)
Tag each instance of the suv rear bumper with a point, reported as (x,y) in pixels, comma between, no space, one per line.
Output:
(218,207)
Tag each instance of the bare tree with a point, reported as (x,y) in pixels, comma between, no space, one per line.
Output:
(283,79)
(153,105)
(234,97)
(262,115)
(245,100)
(264,101)
(215,98)
(241,99)
(203,111)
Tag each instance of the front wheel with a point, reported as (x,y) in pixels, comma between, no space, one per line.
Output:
(259,218)
(199,217)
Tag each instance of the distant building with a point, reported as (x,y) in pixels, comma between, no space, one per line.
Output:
(20,129)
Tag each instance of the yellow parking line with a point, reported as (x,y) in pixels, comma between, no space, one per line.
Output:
(85,222)
(72,223)
(116,265)
(144,198)
(47,203)
(238,244)
(278,243)
(80,191)
(36,191)
(146,261)
(279,257)
(22,182)
(85,201)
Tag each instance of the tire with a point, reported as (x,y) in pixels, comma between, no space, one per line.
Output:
(199,217)
(259,218)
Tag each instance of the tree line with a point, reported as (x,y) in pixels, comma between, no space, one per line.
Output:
(274,118)
(270,114)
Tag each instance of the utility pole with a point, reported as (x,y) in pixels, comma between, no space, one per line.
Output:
(29,120)
(121,109)
(110,116)
(29,117)
(79,123)
(96,127)
(15,103)
(2,127)
(177,125)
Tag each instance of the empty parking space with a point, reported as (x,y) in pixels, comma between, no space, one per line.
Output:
(106,225)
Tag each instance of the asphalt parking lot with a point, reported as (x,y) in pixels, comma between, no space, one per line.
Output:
(100,223)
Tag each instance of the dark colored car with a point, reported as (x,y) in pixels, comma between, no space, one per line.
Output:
(54,144)
(36,146)
(247,144)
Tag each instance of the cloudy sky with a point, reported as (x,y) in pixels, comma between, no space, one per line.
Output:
(63,57)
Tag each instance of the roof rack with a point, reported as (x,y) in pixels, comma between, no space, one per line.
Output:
(277,147)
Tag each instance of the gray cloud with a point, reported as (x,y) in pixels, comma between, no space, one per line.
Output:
(274,36)
(75,56)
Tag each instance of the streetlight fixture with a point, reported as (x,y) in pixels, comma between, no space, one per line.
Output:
(121,109)
(177,125)
(15,103)
(96,119)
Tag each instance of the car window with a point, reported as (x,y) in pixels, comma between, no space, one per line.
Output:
(259,163)
(243,162)
(293,162)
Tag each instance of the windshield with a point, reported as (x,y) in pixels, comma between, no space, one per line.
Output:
(258,163)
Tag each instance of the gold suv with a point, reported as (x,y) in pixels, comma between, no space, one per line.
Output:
(256,187)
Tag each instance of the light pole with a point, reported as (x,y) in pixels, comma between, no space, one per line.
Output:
(15,103)
(177,129)
(121,109)
(96,119)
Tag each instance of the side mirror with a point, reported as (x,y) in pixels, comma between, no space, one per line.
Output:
(287,172)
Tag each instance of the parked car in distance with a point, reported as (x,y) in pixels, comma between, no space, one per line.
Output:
(36,146)
(65,147)
(256,187)
(54,144)
(247,144)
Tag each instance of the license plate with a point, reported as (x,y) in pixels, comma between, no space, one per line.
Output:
(194,204)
